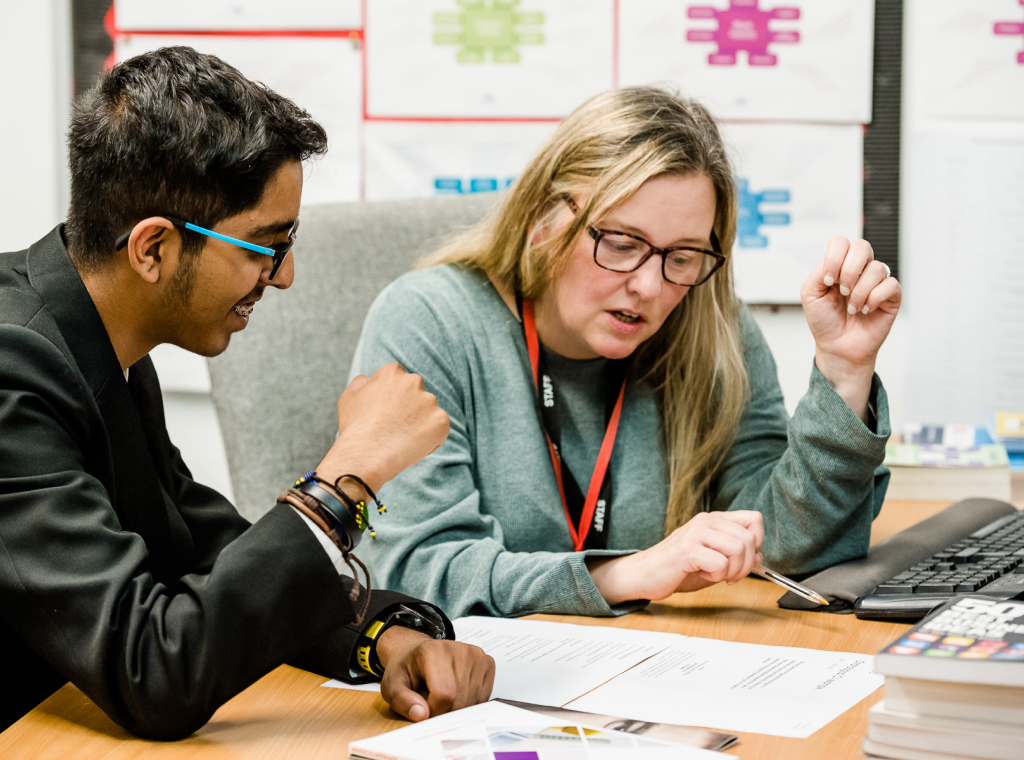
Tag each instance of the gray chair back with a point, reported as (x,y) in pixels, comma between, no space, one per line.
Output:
(276,387)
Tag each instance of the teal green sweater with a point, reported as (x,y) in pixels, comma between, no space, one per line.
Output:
(478,527)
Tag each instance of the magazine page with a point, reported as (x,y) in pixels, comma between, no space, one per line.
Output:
(665,732)
(497,731)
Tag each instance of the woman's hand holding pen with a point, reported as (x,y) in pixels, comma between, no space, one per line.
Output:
(850,303)
(712,547)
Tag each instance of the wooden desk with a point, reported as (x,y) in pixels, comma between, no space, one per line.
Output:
(286,714)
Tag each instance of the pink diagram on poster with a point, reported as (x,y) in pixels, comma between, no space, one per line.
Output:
(743,27)
(1014,29)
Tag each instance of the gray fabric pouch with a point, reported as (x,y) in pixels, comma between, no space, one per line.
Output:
(843,584)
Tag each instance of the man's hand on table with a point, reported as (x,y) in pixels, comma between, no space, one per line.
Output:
(424,677)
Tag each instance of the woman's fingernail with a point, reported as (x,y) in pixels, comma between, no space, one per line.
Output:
(851,309)
(843,290)
(864,310)
(829,282)
(417,713)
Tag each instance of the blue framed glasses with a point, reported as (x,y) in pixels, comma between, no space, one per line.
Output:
(278,251)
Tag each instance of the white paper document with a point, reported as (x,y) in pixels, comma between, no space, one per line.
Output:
(784,691)
(553,663)
(419,159)
(232,15)
(495,730)
(746,59)
(486,58)
(373,688)
(669,678)
(971,57)
(962,267)
(321,75)
(799,185)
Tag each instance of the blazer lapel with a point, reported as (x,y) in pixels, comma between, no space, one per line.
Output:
(136,495)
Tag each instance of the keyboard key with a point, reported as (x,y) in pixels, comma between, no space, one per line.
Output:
(904,576)
(936,588)
(965,587)
(966,552)
(895,588)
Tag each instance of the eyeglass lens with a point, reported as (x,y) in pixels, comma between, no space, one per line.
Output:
(281,250)
(621,253)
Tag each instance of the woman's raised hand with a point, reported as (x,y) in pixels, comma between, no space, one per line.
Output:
(850,303)
(711,547)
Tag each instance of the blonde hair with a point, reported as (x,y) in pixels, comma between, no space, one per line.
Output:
(603,152)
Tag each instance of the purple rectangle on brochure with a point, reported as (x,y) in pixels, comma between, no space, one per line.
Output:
(516,756)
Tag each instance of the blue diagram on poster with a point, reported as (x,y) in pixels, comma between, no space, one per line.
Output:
(1014,29)
(488,26)
(455,185)
(750,218)
(743,27)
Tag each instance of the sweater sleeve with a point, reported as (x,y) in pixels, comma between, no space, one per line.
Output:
(817,478)
(435,542)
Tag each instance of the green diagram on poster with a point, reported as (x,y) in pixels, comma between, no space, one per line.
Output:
(488,25)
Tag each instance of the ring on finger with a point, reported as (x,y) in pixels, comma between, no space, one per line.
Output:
(888,272)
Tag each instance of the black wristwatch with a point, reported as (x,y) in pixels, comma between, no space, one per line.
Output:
(422,618)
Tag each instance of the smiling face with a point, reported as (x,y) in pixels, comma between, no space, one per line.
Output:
(212,296)
(590,312)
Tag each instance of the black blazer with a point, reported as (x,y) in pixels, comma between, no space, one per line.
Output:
(119,572)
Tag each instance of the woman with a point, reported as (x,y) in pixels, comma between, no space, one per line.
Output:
(590,320)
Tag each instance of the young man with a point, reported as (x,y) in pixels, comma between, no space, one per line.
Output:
(118,572)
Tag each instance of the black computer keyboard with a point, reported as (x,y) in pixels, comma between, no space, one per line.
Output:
(990,561)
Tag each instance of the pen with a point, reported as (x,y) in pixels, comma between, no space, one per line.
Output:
(786,583)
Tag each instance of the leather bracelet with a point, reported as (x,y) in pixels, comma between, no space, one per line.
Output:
(316,512)
(322,517)
(341,517)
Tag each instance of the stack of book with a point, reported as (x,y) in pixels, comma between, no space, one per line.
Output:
(954,686)
(1007,428)
(947,463)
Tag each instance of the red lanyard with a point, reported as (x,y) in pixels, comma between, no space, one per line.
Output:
(603,458)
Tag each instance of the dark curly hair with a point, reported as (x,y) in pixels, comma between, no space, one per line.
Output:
(176,132)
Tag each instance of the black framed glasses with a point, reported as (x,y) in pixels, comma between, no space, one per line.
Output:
(278,251)
(624,252)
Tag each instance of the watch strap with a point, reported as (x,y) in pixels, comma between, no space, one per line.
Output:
(421,617)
